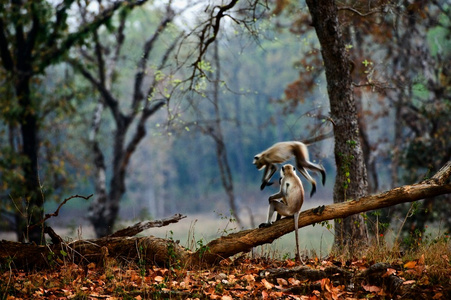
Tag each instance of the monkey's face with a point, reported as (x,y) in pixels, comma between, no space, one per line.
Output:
(258,162)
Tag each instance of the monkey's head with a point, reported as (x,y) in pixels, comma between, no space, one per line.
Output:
(259,162)
(287,170)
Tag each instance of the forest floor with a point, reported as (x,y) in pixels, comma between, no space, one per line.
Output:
(378,273)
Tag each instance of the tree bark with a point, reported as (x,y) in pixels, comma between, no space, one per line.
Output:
(351,178)
(162,252)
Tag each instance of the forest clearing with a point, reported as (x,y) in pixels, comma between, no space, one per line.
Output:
(146,145)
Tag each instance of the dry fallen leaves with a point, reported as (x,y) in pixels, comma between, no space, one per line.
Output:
(242,279)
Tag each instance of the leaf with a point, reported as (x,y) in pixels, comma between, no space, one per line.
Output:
(290,263)
(267,284)
(389,272)
(91,266)
(421,260)
(410,264)
(409,282)
(249,278)
(371,288)
(282,281)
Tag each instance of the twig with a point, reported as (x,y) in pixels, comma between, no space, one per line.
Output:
(320,137)
(348,8)
(138,227)
(55,214)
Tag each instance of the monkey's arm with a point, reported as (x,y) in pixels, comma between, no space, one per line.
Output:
(274,197)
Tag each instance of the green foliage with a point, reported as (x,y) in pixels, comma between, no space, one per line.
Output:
(36,92)
(202,248)
(173,260)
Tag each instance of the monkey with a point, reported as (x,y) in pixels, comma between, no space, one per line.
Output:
(291,194)
(281,152)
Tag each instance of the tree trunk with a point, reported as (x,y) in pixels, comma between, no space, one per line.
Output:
(30,148)
(105,207)
(221,150)
(163,252)
(351,178)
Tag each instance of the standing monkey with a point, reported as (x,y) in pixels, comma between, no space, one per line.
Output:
(280,153)
(292,196)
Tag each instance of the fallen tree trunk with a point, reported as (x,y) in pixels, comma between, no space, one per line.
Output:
(163,252)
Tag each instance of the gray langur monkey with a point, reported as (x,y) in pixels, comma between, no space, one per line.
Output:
(280,153)
(292,197)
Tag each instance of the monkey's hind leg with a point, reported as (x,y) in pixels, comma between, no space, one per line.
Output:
(312,181)
(271,211)
(317,168)
(268,173)
(323,175)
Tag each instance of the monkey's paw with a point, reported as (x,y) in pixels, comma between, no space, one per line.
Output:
(319,210)
(264,225)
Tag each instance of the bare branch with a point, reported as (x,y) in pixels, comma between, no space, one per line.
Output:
(105,93)
(351,9)
(213,24)
(55,214)
(148,46)
(141,226)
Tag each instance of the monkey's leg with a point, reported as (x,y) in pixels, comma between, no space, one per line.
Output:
(271,211)
(316,168)
(268,173)
(304,172)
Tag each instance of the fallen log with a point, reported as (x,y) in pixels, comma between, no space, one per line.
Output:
(120,246)
(159,251)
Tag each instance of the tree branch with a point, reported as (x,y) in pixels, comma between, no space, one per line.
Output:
(112,102)
(55,214)
(355,11)
(141,67)
(80,34)
(141,226)
(214,24)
